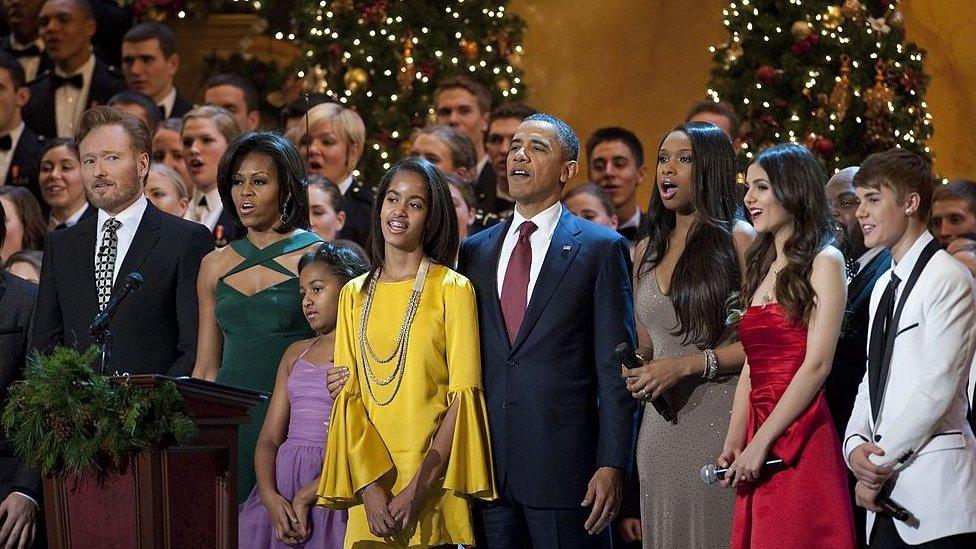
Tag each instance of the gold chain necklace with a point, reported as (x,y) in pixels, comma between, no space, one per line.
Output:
(403,336)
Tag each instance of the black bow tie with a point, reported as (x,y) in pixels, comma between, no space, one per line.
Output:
(29,51)
(75,81)
(162,112)
(6,142)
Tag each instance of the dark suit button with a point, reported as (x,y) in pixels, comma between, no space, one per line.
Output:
(877,438)
(511,363)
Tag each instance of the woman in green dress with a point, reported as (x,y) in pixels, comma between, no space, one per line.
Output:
(250,306)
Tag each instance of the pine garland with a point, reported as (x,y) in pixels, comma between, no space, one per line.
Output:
(66,419)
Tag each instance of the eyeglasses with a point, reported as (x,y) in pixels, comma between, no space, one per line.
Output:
(845,203)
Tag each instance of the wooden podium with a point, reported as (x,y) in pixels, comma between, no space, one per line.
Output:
(172,497)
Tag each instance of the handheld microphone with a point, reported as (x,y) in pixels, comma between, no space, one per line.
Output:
(132,284)
(625,354)
(896,511)
(710,474)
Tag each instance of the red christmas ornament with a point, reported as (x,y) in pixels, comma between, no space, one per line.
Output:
(376,12)
(426,68)
(824,146)
(766,74)
(800,48)
(334,49)
(813,39)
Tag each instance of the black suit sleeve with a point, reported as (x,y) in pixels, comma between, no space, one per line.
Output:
(199,244)
(47,327)
(613,323)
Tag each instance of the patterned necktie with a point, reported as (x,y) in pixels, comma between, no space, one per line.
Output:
(105,267)
(515,285)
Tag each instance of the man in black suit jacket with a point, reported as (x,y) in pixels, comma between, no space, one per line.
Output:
(357,202)
(20,486)
(155,329)
(150,63)
(552,305)
(78,81)
(864,268)
(20,148)
(24,42)
(615,158)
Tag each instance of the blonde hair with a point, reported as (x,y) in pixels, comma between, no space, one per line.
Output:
(345,121)
(221,117)
(173,176)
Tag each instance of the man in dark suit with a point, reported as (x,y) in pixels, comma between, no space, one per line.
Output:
(24,41)
(615,158)
(864,267)
(494,204)
(78,81)
(236,94)
(20,486)
(150,63)
(357,202)
(20,148)
(155,330)
(554,299)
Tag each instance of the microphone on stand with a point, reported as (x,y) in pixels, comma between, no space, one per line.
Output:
(625,354)
(132,284)
(711,473)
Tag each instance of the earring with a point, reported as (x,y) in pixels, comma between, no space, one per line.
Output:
(284,213)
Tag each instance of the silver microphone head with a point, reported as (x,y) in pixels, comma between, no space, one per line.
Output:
(708,475)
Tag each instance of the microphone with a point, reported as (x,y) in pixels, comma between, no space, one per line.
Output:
(711,473)
(132,284)
(896,511)
(625,354)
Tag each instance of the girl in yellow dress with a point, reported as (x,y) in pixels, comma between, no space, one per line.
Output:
(408,443)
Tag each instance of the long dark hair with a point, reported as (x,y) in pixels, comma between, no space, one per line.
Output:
(797,181)
(441,238)
(707,273)
(292,181)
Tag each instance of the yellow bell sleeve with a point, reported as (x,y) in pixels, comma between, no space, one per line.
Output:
(355,455)
(469,468)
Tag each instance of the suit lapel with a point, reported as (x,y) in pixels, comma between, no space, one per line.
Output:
(490,274)
(868,274)
(145,239)
(562,250)
(82,250)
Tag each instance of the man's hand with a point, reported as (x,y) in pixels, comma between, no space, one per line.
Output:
(18,517)
(866,497)
(630,530)
(873,476)
(604,494)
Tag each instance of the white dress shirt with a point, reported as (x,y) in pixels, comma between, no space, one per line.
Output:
(903,269)
(7,156)
(70,102)
(169,101)
(205,215)
(130,219)
(72,220)
(546,221)
(32,63)
(345,184)
(634,221)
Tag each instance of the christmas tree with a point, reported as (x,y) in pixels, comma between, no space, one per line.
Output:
(835,76)
(384,58)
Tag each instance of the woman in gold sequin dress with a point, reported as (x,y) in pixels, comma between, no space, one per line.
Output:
(408,441)
(681,314)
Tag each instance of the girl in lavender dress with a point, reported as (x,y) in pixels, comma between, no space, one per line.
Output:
(280,511)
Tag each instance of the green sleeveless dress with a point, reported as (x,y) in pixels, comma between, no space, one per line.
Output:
(257,329)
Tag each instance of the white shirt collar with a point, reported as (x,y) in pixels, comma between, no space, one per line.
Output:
(867,256)
(15,136)
(85,70)
(903,269)
(129,217)
(15,45)
(169,101)
(545,220)
(345,184)
(72,219)
(634,221)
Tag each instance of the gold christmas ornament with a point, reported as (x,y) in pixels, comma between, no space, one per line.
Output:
(801,30)
(469,49)
(341,6)
(840,96)
(878,98)
(515,60)
(504,84)
(853,10)
(833,17)
(355,78)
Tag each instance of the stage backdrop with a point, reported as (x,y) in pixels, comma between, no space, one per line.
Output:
(641,64)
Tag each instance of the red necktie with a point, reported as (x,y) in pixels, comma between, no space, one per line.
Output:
(515,286)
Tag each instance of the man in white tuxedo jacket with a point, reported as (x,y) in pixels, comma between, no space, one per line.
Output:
(908,440)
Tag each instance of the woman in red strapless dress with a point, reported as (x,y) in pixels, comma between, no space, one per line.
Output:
(793,294)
